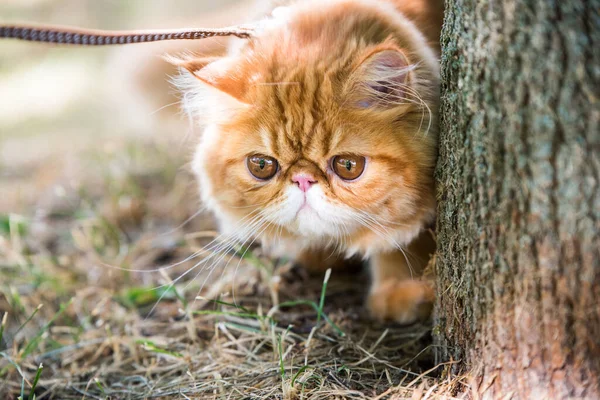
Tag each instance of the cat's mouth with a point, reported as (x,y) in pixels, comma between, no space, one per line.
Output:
(305,207)
(306,214)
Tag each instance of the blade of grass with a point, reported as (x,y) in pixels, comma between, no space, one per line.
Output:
(224,303)
(11,362)
(15,301)
(99,386)
(281,355)
(297,374)
(35,382)
(140,296)
(243,327)
(229,313)
(38,308)
(13,224)
(32,345)
(150,346)
(323,291)
(21,397)
(3,325)
(280,351)
(316,308)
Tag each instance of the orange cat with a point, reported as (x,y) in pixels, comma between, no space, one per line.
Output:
(320,137)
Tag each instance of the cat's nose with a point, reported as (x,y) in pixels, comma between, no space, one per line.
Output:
(304,181)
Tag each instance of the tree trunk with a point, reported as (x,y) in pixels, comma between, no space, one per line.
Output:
(519,197)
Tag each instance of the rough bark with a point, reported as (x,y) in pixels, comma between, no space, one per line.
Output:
(519,197)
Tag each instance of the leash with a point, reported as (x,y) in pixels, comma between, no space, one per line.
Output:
(93,37)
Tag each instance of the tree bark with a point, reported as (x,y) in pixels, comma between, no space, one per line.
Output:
(518,260)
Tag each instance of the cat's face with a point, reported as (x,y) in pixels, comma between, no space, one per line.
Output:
(319,130)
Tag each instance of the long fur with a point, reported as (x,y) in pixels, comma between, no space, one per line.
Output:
(322,79)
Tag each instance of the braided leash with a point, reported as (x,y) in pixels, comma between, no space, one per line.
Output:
(92,37)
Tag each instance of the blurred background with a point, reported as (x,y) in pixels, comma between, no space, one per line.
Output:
(58,103)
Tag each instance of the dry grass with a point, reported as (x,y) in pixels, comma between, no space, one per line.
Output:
(84,296)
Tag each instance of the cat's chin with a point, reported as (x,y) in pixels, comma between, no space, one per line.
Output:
(309,224)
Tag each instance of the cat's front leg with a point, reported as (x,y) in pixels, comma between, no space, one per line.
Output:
(399,292)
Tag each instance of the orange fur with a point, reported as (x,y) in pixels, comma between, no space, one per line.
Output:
(319,80)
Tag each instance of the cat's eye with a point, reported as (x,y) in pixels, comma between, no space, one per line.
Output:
(262,167)
(348,166)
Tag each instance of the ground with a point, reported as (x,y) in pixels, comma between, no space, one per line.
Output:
(86,286)
(111,286)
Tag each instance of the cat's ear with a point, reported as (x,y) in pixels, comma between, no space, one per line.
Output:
(217,72)
(381,80)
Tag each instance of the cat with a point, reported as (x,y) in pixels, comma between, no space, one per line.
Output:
(320,137)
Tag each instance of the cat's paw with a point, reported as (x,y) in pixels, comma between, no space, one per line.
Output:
(402,301)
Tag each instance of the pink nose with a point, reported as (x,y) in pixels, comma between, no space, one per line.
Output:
(304,181)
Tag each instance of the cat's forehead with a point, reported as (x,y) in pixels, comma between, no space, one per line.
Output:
(299,111)
(299,120)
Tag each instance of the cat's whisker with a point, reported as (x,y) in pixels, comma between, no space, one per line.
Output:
(184,223)
(219,248)
(374,220)
(422,103)
(275,83)
(387,237)
(224,247)
(341,237)
(244,231)
(406,90)
(188,258)
(172,283)
(280,232)
(241,258)
(163,107)
(412,97)
(332,237)
(261,223)
(216,242)
(412,255)
(344,234)
(225,199)
(379,218)
(163,268)
(248,206)
(425,107)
